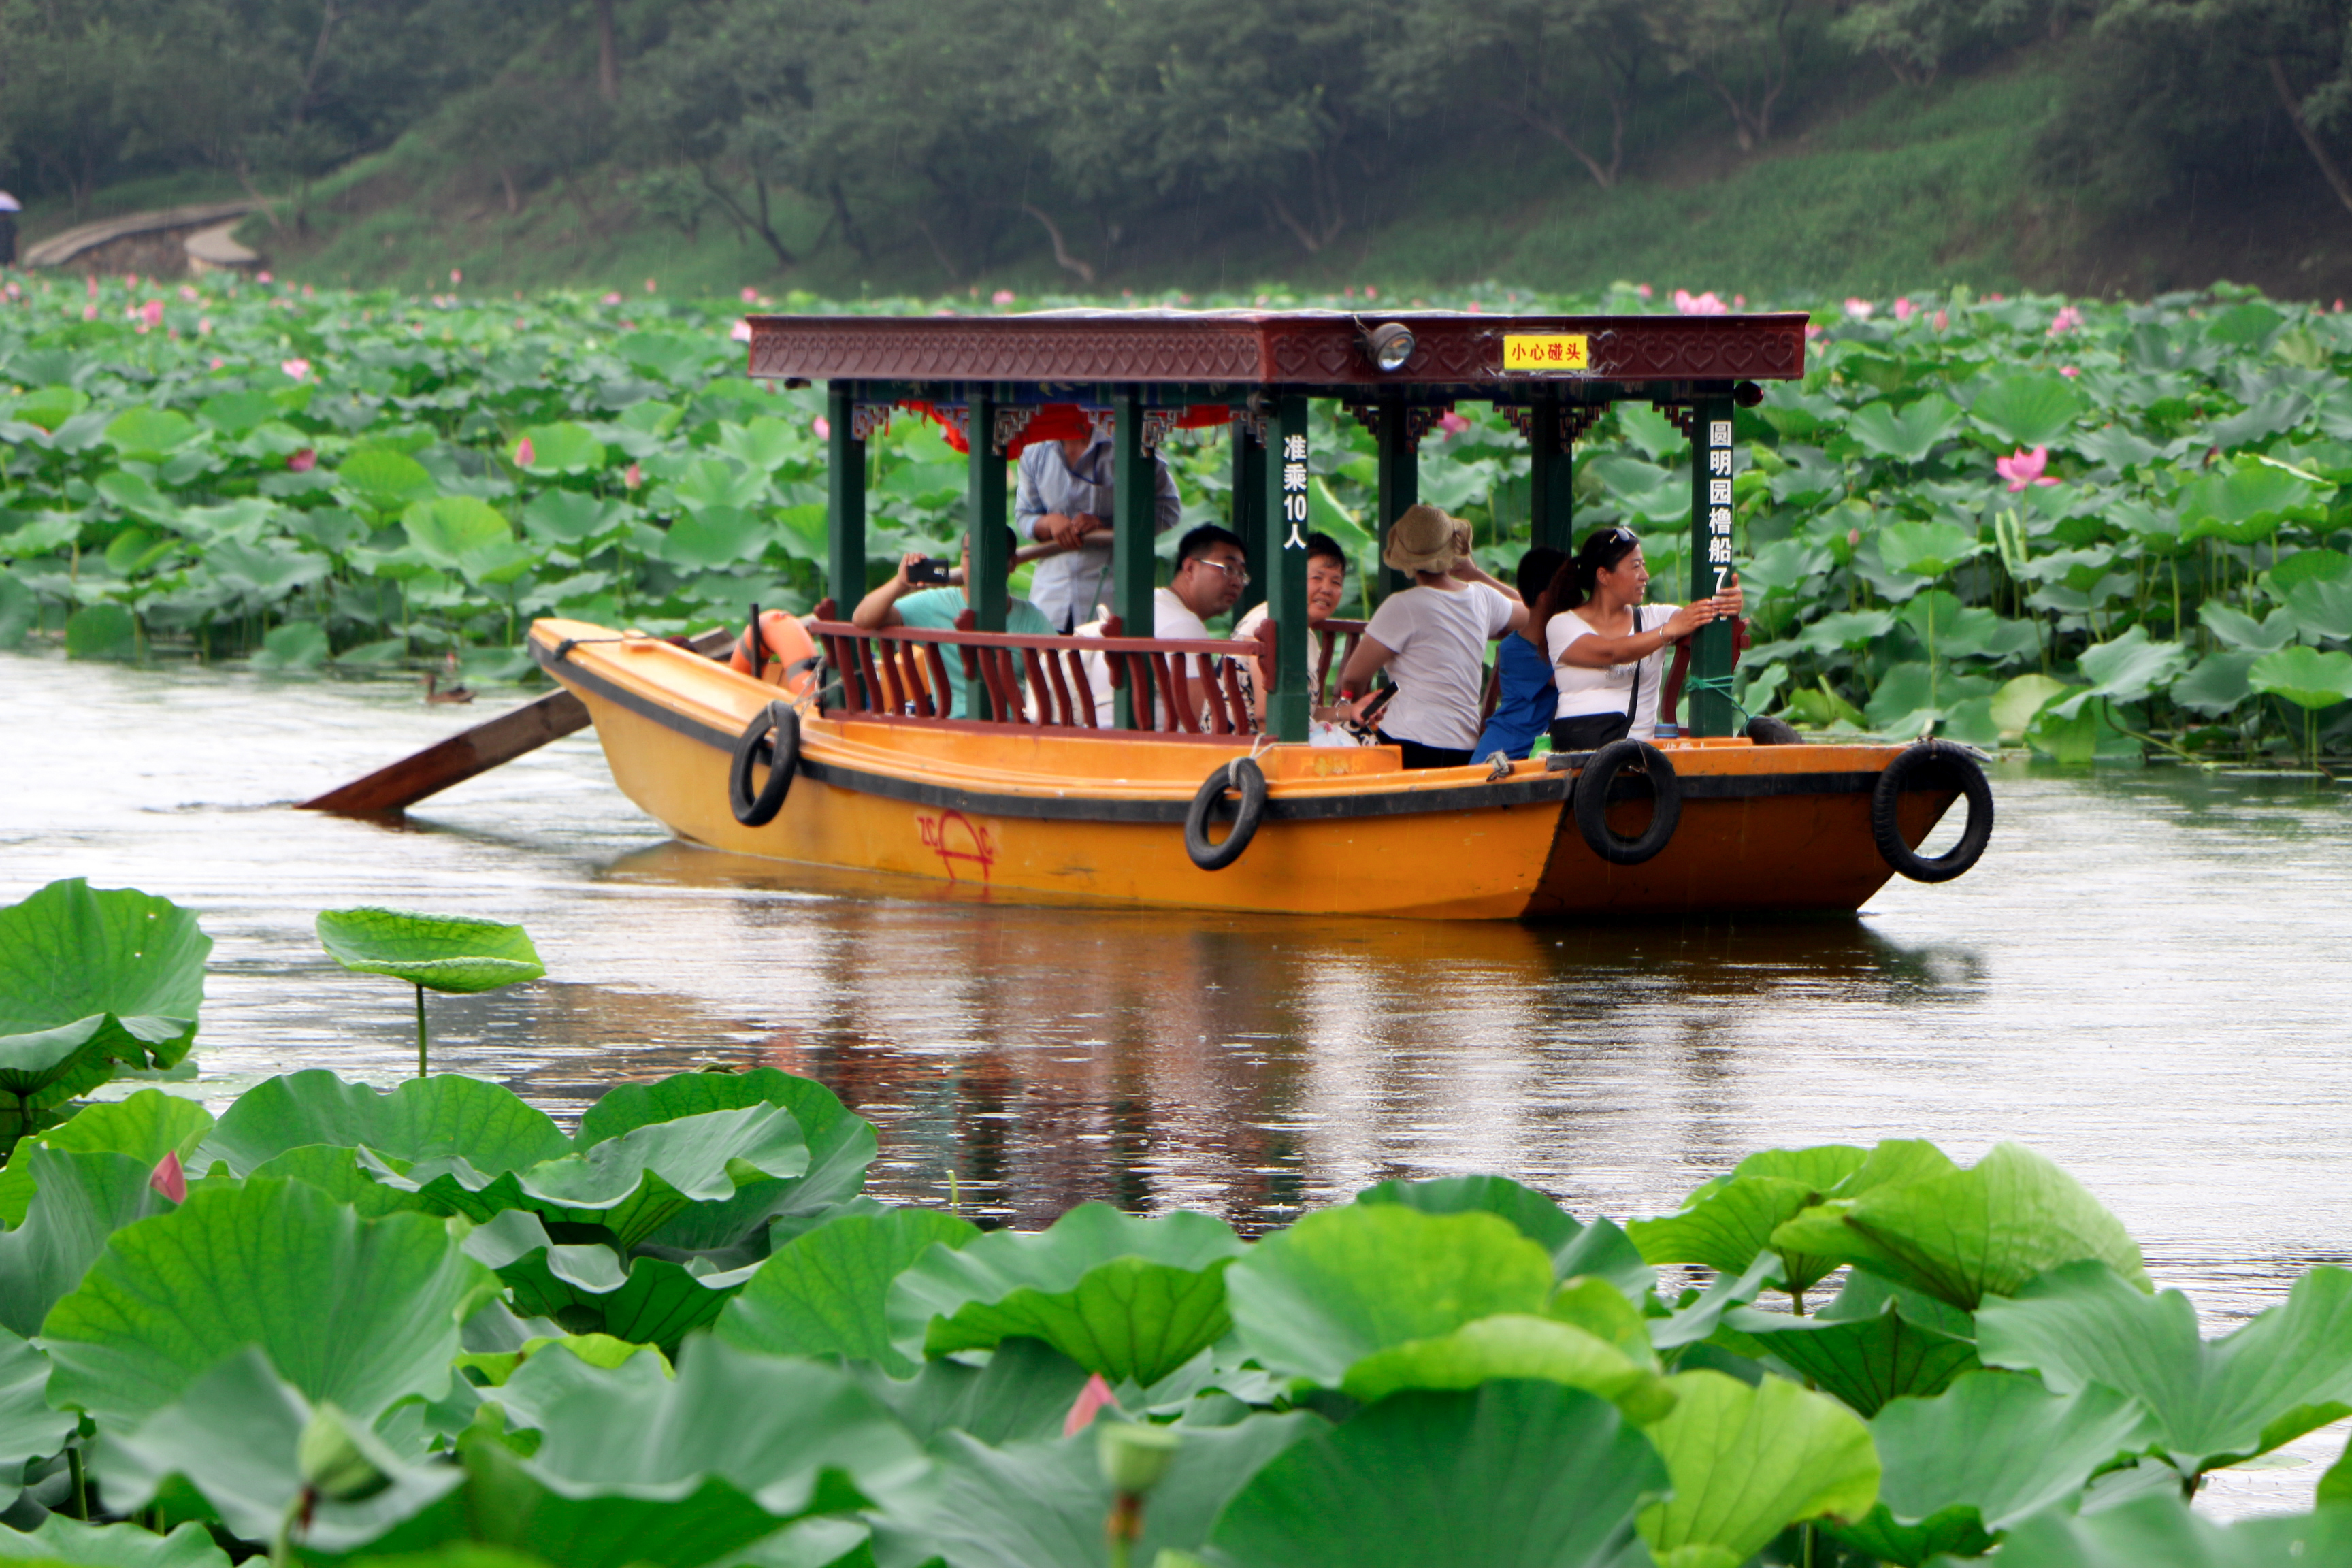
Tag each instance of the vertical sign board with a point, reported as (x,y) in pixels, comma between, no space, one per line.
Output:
(1711,712)
(1291,707)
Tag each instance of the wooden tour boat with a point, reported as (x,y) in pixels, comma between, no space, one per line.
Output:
(844,759)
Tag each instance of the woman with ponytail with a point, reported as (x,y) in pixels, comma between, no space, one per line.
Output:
(1608,650)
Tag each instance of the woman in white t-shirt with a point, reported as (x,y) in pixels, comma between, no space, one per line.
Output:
(1608,650)
(1432,639)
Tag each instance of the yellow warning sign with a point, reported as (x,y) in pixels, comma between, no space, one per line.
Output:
(1547,351)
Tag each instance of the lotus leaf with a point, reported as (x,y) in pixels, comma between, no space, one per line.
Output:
(1123,1296)
(1908,435)
(444,953)
(149,435)
(590,1290)
(425,1119)
(2335,1485)
(387,480)
(231,1439)
(1745,1463)
(1926,549)
(2241,630)
(2319,565)
(1961,1235)
(2219,683)
(2321,608)
(1699,1313)
(1725,1223)
(237,413)
(359,1312)
(2306,677)
(825,1293)
(2250,500)
(715,536)
(2161,1529)
(1514,1346)
(667,357)
(50,406)
(446,532)
(1025,1390)
(2286,1373)
(102,631)
(19,610)
(1874,1343)
(1599,1248)
(563,448)
(89,978)
(29,1429)
(1041,1504)
(1316,1299)
(146,1126)
(766,445)
(57,1539)
(1846,629)
(138,496)
(1511,1474)
(2028,410)
(2131,668)
(80,1200)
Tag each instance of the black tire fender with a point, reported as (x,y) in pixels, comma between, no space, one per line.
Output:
(758,811)
(1244,776)
(1765,730)
(1590,803)
(1931,765)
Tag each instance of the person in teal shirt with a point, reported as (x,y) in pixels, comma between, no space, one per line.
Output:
(898,602)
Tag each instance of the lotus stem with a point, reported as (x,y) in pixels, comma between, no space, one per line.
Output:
(80,1482)
(421,1066)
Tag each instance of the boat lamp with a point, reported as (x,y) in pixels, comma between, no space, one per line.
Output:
(1389,345)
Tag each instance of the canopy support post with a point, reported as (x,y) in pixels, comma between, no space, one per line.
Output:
(1290,709)
(1551,477)
(1399,481)
(1249,513)
(991,560)
(1712,462)
(1134,500)
(844,515)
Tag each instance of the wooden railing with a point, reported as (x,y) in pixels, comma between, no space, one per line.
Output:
(1335,643)
(1040,681)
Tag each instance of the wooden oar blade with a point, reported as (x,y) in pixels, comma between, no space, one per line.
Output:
(474,750)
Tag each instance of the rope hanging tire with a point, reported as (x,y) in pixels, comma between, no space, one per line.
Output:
(758,811)
(1931,765)
(1240,774)
(1592,801)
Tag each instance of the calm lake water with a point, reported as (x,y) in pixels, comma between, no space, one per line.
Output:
(2140,979)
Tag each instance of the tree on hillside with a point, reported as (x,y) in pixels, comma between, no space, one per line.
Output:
(1741,49)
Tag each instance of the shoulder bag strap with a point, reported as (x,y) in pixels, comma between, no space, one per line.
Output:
(1634,701)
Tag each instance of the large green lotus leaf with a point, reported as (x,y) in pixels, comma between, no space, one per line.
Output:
(1314,1300)
(146,1126)
(797,1437)
(2249,501)
(1875,1343)
(1025,1389)
(29,1428)
(1514,1346)
(825,1293)
(1926,549)
(841,1146)
(359,1312)
(1698,1315)
(1748,1462)
(57,1539)
(631,1186)
(1120,1295)
(446,531)
(561,449)
(590,1290)
(2131,667)
(386,479)
(440,953)
(423,1119)
(1599,1248)
(2284,1373)
(149,435)
(2335,1485)
(1601,1310)
(1723,1227)
(2321,609)
(81,1201)
(90,977)
(2303,676)
(1966,1235)
(1908,435)
(229,1444)
(339,1174)
(1990,1450)
(2029,410)
(715,536)
(1514,1475)
(1041,1504)
(2159,1531)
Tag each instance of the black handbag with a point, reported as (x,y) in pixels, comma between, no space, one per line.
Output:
(1591,731)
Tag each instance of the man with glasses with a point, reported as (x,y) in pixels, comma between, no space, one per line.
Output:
(1211,572)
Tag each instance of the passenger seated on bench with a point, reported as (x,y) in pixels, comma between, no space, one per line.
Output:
(1326,584)
(1527,697)
(900,602)
(1609,649)
(1211,572)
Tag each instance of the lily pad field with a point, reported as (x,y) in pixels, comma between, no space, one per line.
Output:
(335,1324)
(2093,528)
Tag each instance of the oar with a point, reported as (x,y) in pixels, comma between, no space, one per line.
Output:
(474,750)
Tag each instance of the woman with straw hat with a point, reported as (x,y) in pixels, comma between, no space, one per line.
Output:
(1432,641)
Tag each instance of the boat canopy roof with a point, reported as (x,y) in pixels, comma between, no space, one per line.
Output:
(1432,358)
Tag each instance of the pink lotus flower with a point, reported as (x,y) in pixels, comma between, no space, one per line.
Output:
(1814,330)
(189,294)
(750,296)
(308,291)
(524,456)
(2070,370)
(301,462)
(204,326)
(611,299)
(1371,292)
(2065,321)
(455,277)
(1905,310)
(1996,296)
(2024,468)
(1092,1400)
(93,281)
(1943,319)
(1453,423)
(1860,309)
(169,1179)
(89,313)
(1002,297)
(741,333)
(130,281)
(650,285)
(1643,289)
(1475,308)
(153,311)
(218,362)
(824,428)
(1740,301)
(300,369)
(1853,539)
(634,475)
(140,329)
(1705,304)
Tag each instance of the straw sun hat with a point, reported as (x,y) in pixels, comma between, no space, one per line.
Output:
(1424,539)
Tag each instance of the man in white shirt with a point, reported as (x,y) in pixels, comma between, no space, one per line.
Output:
(1211,572)
(1065,497)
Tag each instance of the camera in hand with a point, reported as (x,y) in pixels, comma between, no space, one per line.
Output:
(929,570)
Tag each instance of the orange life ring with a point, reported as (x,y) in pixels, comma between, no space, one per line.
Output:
(792,657)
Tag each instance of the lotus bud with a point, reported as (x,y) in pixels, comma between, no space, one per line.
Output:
(1135,1456)
(341,1460)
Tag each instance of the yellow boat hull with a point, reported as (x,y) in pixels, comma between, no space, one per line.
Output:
(987,812)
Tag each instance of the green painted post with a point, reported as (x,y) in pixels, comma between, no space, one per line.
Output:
(1249,513)
(1712,454)
(1134,500)
(845,520)
(1399,481)
(991,560)
(1551,477)
(1291,708)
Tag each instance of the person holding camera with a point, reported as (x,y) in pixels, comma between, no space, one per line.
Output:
(904,601)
